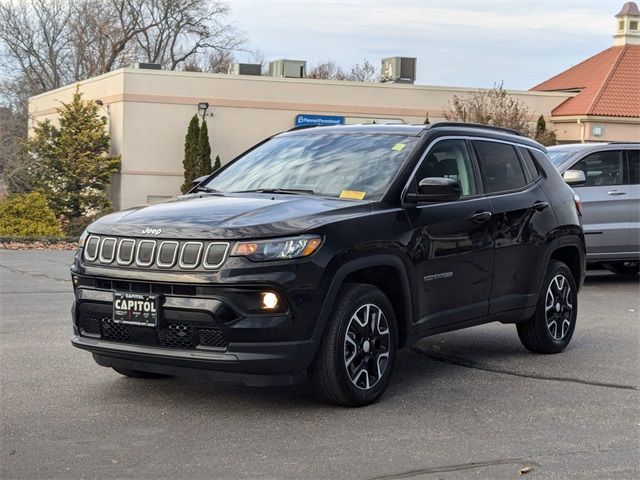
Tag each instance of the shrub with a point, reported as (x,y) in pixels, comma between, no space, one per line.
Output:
(28,215)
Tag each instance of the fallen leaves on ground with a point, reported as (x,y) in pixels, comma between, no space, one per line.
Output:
(38,245)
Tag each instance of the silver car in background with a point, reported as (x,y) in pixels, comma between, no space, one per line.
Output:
(606,178)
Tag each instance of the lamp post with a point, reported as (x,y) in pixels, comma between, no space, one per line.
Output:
(202,109)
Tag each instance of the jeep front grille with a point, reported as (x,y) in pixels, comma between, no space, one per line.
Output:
(155,254)
(183,336)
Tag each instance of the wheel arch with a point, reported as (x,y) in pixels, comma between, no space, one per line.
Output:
(570,256)
(389,274)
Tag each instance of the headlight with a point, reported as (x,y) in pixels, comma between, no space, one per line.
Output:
(277,249)
(83,239)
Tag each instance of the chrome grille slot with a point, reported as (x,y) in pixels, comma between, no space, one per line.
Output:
(144,253)
(107,250)
(167,254)
(91,248)
(126,248)
(215,255)
(190,255)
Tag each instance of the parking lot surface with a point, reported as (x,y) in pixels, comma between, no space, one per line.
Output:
(468,404)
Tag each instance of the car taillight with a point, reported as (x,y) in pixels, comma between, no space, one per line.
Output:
(578,203)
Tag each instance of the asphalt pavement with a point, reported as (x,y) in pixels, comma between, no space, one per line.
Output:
(467,404)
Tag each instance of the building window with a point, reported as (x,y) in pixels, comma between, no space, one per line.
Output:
(633,25)
(621,25)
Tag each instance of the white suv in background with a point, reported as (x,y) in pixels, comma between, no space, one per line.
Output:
(607,179)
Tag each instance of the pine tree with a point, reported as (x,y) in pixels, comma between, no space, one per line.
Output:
(204,151)
(72,163)
(544,136)
(541,126)
(190,160)
(218,164)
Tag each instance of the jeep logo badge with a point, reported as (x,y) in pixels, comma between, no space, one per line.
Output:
(152,231)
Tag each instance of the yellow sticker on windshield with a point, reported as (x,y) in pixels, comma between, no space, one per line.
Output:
(352,194)
(398,147)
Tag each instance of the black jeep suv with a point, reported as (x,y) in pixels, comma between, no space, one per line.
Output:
(321,251)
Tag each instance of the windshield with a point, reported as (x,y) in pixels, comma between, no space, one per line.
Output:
(353,166)
(558,157)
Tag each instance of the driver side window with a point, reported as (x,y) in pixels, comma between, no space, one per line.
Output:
(601,168)
(449,159)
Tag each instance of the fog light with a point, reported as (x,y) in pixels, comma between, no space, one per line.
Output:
(269,300)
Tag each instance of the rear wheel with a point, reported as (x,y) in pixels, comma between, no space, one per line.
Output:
(551,328)
(629,268)
(357,353)
(138,373)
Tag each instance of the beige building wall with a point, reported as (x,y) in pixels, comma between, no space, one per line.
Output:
(149,112)
(597,129)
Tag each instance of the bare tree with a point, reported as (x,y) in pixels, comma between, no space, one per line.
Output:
(364,72)
(45,44)
(50,43)
(327,71)
(218,61)
(36,41)
(490,106)
(14,164)
(177,30)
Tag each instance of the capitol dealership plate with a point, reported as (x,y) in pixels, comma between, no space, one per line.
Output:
(135,309)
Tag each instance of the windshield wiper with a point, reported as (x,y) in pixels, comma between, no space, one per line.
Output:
(204,188)
(290,191)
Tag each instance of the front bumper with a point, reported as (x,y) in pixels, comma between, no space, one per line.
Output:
(282,363)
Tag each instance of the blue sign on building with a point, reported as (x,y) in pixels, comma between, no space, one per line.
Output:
(305,119)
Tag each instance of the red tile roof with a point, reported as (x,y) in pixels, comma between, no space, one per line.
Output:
(609,84)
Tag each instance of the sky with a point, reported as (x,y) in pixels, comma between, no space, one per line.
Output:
(457,43)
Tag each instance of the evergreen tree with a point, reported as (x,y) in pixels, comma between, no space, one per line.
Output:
(544,136)
(541,126)
(218,164)
(204,151)
(71,163)
(190,161)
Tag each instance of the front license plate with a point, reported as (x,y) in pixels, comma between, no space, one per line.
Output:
(135,309)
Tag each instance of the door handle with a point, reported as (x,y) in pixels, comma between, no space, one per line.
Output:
(616,192)
(480,217)
(540,205)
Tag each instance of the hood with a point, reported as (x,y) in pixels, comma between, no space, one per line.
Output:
(229,217)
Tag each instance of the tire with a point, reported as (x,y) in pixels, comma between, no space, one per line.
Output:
(357,353)
(623,268)
(138,373)
(551,327)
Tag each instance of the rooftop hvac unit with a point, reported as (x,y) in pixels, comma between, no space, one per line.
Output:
(245,69)
(147,66)
(398,70)
(288,68)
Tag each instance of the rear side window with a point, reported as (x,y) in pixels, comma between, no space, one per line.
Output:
(500,165)
(601,168)
(530,163)
(634,166)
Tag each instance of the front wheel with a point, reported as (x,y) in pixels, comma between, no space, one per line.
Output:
(356,356)
(551,328)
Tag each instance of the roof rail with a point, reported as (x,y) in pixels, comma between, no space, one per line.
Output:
(477,125)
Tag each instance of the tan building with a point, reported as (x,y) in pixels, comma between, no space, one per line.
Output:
(149,110)
(606,106)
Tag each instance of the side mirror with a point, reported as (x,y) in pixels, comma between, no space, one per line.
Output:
(574,177)
(436,189)
(199,180)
